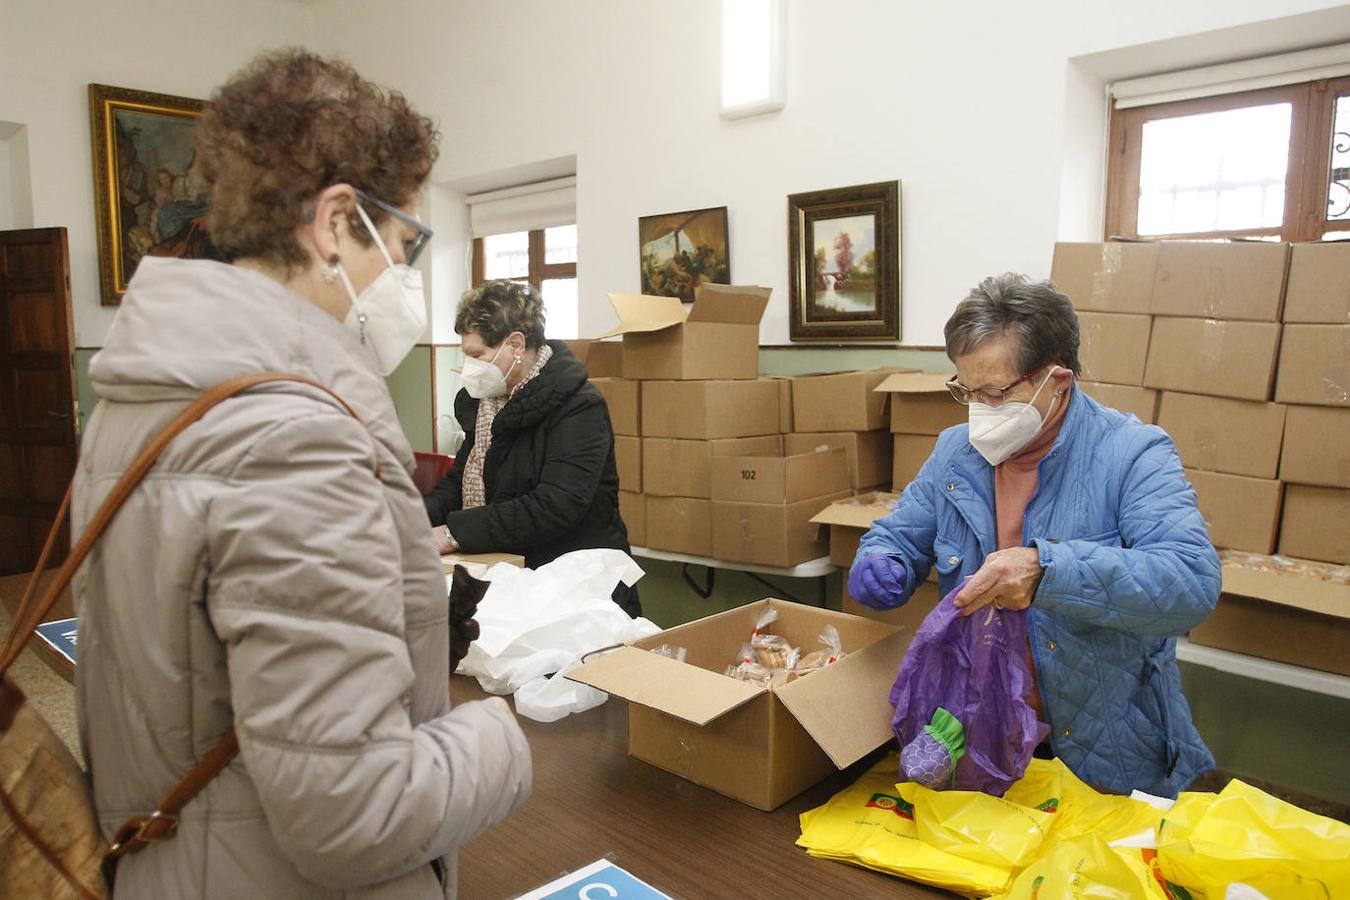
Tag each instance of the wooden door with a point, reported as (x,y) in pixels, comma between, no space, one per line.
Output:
(37,392)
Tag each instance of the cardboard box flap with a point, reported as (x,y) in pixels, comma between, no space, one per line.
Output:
(914,383)
(1295,589)
(659,682)
(857,512)
(643,312)
(730,303)
(848,731)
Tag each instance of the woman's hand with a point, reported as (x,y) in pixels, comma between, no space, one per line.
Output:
(444,542)
(1008,579)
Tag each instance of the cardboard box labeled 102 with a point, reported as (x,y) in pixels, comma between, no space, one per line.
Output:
(759,745)
(718,338)
(779,479)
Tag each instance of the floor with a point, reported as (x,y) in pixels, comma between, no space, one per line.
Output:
(50,694)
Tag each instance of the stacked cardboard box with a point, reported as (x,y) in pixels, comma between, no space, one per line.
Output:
(762,505)
(1314,378)
(921,408)
(1111,286)
(843,410)
(694,380)
(1186,334)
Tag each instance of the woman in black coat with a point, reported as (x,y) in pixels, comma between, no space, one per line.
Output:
(535,474)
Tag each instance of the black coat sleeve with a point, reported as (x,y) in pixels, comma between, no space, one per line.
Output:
(448,494)
(578,447)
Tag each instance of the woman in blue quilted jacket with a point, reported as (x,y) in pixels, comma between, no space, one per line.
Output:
(1050,502)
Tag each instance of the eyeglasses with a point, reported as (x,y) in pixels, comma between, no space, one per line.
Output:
(989,396)
(413,247)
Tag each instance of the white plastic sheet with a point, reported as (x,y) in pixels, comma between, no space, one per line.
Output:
(537,622)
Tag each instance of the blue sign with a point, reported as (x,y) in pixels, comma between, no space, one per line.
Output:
(60,636)
(601,880)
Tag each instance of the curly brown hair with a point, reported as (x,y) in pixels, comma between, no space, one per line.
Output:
(291,124)
(494,309)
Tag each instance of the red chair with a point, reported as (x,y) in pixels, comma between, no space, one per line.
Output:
(431,468)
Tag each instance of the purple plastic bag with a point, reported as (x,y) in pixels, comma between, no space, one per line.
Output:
(974,667)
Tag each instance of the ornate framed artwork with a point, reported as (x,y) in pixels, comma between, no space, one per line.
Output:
(149,197)
(844,253)
(682,250)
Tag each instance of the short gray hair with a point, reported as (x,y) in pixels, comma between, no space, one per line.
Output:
(1037,317)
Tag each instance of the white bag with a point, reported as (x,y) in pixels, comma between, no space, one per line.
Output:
(537,622)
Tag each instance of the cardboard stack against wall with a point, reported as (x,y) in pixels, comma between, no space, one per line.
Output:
(1249,353)
(685,425)
(842,410)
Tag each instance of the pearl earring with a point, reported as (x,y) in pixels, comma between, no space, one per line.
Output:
(329,273)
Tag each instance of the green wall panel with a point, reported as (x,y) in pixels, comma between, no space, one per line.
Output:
(810,360)
(411,389)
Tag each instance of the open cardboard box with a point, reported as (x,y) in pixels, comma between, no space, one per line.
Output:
(1281,609)
(849,520)
(921,403)
(759,745)
(717,338)
(602,359)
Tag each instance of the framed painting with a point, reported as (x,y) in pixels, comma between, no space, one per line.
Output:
(150,199)
(844,253)
(682,250)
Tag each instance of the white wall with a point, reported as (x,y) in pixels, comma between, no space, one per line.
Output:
(975,107)
(50,51)
(965,103)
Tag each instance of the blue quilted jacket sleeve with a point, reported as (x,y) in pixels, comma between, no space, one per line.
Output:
(1165,577)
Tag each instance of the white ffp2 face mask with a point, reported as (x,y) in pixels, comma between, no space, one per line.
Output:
(389,315)
(483,380)
(998,432)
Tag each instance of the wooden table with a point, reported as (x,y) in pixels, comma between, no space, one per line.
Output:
(592,800)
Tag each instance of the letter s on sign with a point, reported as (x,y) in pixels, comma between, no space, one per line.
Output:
(585,892)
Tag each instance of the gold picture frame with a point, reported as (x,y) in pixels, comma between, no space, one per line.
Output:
(149,199)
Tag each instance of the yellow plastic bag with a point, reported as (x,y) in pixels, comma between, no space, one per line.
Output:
(1051,787)
(1084,866)
(870,824)
(1245,836)
(974,826)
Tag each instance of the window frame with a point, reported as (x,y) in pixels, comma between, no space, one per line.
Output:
(1307,179)
(539,270)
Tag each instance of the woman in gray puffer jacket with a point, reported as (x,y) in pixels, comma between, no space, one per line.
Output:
(274,572)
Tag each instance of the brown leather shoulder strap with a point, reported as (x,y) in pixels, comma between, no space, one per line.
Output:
(135,833)
(29,616)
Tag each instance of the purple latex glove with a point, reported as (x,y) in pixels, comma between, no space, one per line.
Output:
(877,580)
